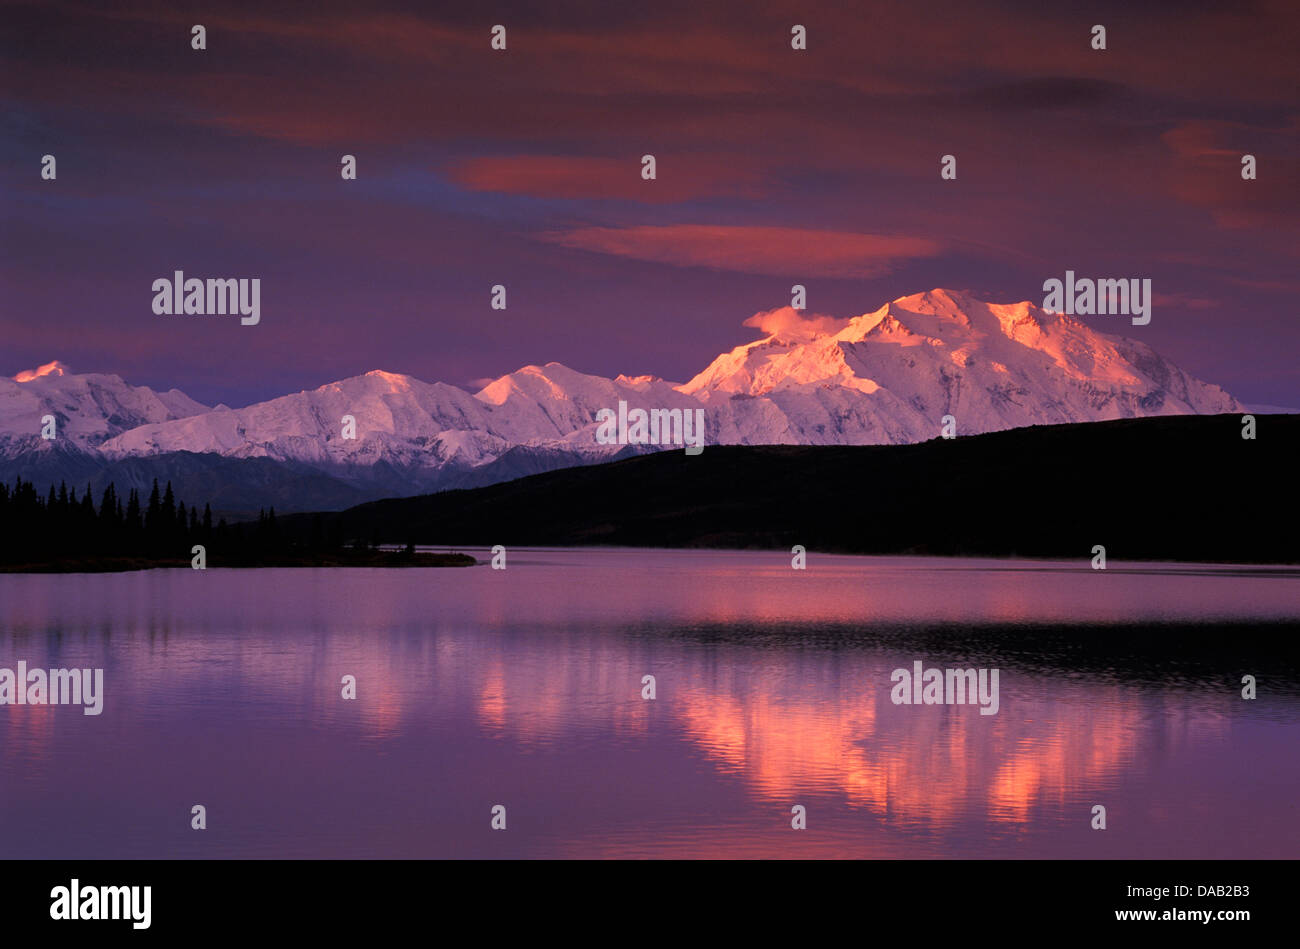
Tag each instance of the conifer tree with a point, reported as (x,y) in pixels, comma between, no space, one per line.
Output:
(151,513)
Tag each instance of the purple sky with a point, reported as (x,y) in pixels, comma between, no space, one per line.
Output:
(775,166)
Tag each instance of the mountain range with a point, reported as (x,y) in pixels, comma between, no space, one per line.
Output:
(885,377)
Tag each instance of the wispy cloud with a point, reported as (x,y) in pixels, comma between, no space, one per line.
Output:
(564,176)
(785,251)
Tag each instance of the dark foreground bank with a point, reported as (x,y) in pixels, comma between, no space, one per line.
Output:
(1186,488)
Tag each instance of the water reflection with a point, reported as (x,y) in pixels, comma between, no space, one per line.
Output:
(773,688)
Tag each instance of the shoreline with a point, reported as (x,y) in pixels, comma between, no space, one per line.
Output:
(131,564)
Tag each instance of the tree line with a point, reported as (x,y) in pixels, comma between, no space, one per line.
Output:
(61,525)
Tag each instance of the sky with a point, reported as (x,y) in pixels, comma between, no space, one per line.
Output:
(522,167)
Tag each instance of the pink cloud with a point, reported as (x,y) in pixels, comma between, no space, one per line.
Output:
(785,251)
(1206,172)
(788,323)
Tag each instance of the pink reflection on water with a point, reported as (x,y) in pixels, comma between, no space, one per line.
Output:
(532,680)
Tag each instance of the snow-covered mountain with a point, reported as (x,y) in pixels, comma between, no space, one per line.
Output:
(404,424)
(88,409)
(889,376)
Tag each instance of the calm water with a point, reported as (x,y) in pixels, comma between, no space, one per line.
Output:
(523,687)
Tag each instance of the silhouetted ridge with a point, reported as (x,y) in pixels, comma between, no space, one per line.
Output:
(1181,488)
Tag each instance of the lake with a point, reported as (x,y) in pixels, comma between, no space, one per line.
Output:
(773,688)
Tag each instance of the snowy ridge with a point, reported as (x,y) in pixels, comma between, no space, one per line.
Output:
(89,408)
(888,376)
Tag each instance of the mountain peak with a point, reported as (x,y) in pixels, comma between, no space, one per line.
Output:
(939,295)
(939,302)
(54,368)
(396,378)
(643,380)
